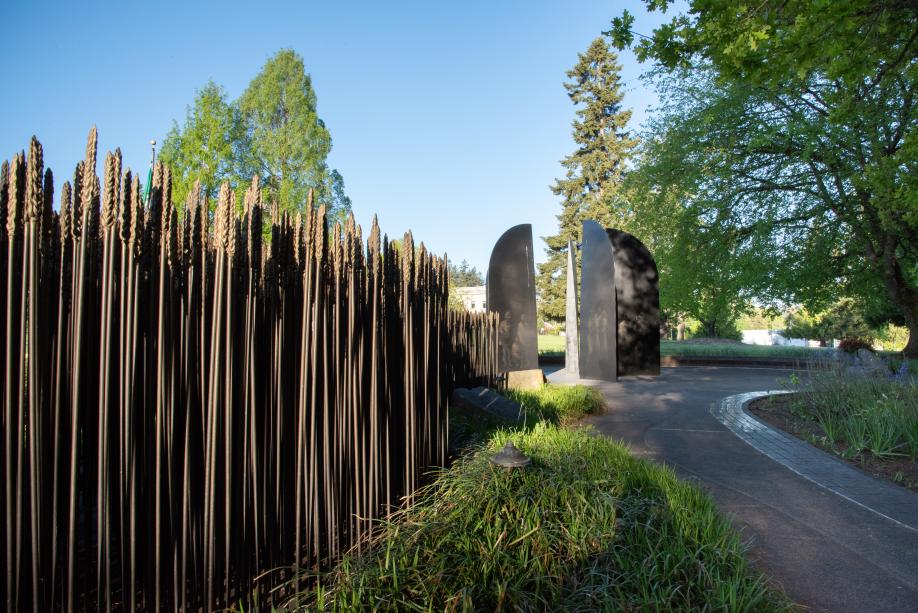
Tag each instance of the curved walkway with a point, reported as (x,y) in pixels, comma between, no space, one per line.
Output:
(896,504)
(827,552)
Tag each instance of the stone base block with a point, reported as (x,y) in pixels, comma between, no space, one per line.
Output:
(525,379)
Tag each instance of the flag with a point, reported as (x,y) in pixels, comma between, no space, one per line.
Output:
(148,185)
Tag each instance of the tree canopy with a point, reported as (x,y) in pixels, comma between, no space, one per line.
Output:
(273,130)
(287,141)
(800,115)
(206,147)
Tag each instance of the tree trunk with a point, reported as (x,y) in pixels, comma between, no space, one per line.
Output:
(902,294)
(710,328)
(911,322)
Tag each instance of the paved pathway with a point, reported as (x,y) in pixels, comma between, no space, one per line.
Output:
(828,552)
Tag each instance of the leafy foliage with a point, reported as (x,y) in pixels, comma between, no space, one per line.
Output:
(594,171)
(288,140)
(206,148)
(273,130)
(714,257)
(801,140)
(841,320)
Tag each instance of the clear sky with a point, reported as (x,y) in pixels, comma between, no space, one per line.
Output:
(448,119)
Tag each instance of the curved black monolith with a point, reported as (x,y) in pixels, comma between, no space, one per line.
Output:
(597,305)
(511,293)
(637,306)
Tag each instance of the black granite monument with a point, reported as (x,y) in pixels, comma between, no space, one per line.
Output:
(511,293)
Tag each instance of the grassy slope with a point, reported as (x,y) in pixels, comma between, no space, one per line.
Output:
(586,527)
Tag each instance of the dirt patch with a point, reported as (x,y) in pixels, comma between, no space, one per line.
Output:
(778,411)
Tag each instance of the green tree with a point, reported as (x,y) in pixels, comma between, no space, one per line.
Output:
(811,120)
(288,142)
(205,148)
(335,198)
(710,268)
(843,319)
(464,275)
(594,171)
(272,130)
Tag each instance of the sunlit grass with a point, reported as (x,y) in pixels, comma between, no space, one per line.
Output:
(557,403)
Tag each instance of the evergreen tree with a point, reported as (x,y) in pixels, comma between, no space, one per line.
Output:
(594,171)
(288,141)
(465,275)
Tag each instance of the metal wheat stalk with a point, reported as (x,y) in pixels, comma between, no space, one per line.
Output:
(191,416)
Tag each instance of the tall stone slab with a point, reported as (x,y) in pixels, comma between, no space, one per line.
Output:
(598,353)
(637,297)
(571,325)
(511,294)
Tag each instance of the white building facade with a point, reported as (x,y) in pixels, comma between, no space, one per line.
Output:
(473,298)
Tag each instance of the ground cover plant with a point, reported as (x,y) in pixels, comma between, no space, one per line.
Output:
(871,421)
(586,527)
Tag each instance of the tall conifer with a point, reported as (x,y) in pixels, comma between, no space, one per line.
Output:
(594,169)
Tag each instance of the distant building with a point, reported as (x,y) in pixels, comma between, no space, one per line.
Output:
(775,337)
(474,298)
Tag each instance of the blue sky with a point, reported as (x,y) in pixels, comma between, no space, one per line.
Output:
(449,120)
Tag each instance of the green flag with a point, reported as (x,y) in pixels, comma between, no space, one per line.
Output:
(148,185)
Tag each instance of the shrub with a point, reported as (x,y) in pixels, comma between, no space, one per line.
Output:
(851,344)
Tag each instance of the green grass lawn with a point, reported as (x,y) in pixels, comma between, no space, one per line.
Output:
(551,344)
(681,348)
(586,527)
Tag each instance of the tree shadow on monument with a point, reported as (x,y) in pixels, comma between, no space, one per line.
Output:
(637,306)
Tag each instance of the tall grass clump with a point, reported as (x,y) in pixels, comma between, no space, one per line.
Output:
(556,403)
(863,413)
(586,527)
